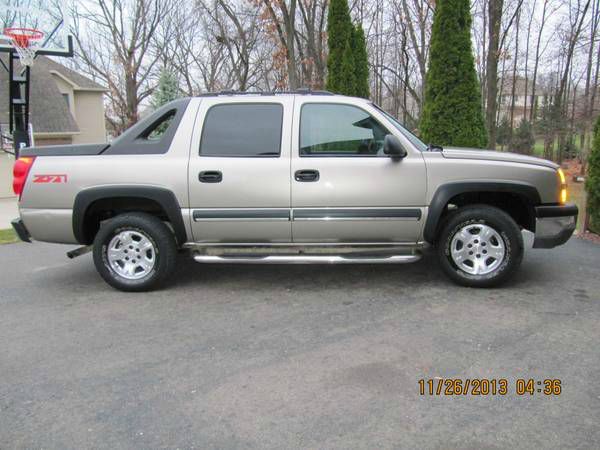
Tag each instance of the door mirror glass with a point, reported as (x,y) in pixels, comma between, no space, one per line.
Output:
(393,147)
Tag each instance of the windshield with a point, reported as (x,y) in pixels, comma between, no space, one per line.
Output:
(407,134)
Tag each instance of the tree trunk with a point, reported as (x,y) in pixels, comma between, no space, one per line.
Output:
(514,76)
(494,21)
(536,64)
(525,98)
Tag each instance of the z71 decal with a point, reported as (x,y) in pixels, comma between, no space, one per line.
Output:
(50,178)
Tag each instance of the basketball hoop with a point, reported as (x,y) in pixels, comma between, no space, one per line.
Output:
(26,42)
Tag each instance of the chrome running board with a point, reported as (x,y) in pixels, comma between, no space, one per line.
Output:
(308,259)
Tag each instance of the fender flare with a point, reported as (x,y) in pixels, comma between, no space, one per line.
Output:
(445,192)
(164,197)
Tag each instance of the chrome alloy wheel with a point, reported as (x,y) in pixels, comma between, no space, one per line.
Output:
(477,249)
(131,254)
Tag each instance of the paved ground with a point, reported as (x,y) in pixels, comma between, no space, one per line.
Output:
(295,356)
(8,212)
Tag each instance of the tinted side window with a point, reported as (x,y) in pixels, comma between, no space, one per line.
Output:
(339,130)
(242,129)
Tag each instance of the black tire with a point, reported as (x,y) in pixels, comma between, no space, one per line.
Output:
(495,218)
(164,251)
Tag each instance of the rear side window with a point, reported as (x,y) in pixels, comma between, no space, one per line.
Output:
(159,128)
(242,130)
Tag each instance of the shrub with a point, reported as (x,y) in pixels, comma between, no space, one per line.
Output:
(523,138)
(569,149)
(503,133)
(592,183)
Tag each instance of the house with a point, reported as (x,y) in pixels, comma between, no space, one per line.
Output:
(65,108)
(523,99)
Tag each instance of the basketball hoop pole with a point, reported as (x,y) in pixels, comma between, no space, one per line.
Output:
(18,93)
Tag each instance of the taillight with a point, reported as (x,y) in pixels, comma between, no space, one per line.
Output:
(20,171)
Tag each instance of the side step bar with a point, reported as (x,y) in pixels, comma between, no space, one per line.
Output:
(308,259)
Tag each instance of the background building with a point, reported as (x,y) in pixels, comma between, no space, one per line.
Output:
(523,99)
(66,108)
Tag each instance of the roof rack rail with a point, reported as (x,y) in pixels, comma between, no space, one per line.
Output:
(299,91)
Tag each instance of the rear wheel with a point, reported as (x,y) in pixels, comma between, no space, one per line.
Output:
(135,252)
(480,246)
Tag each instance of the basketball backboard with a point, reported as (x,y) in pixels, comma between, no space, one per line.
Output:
(51,17)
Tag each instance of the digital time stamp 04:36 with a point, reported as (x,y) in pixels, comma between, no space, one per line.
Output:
(489,386)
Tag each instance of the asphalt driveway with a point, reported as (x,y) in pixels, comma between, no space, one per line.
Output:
(295,356)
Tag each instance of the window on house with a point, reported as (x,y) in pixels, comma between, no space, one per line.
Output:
(66,97)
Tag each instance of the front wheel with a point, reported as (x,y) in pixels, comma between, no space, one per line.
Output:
(135,252)
(480,246)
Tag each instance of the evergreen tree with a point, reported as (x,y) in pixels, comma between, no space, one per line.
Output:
(452,112)
(347,76)
(167,89)
(361,63)
(347,62)
(545,126)
(339,35)
(592,183)
(340,61)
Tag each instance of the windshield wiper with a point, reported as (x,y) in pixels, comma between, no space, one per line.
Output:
(434,148)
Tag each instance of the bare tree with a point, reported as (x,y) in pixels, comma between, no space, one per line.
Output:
(514,72)
(496,38)
(115,40)
(577,16)
(275,44)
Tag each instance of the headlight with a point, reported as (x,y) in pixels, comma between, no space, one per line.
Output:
(563,187)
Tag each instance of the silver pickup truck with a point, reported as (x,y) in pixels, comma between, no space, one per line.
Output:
(302,177)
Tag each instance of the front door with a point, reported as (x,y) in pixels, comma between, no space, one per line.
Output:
(344,188)
(239,185)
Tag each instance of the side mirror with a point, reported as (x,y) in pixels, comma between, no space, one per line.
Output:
(393,147)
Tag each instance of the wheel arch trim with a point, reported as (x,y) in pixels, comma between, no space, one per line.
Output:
(164,197)
(446,191)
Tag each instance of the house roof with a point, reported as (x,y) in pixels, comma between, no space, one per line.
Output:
(81,82)
(49,113)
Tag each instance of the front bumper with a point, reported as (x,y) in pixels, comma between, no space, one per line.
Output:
(21,231)
(554,225)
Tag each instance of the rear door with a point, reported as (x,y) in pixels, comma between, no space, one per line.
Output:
(344,188)
(239,184)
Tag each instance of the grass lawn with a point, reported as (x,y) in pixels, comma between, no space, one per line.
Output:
(8,236)
(538,148)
